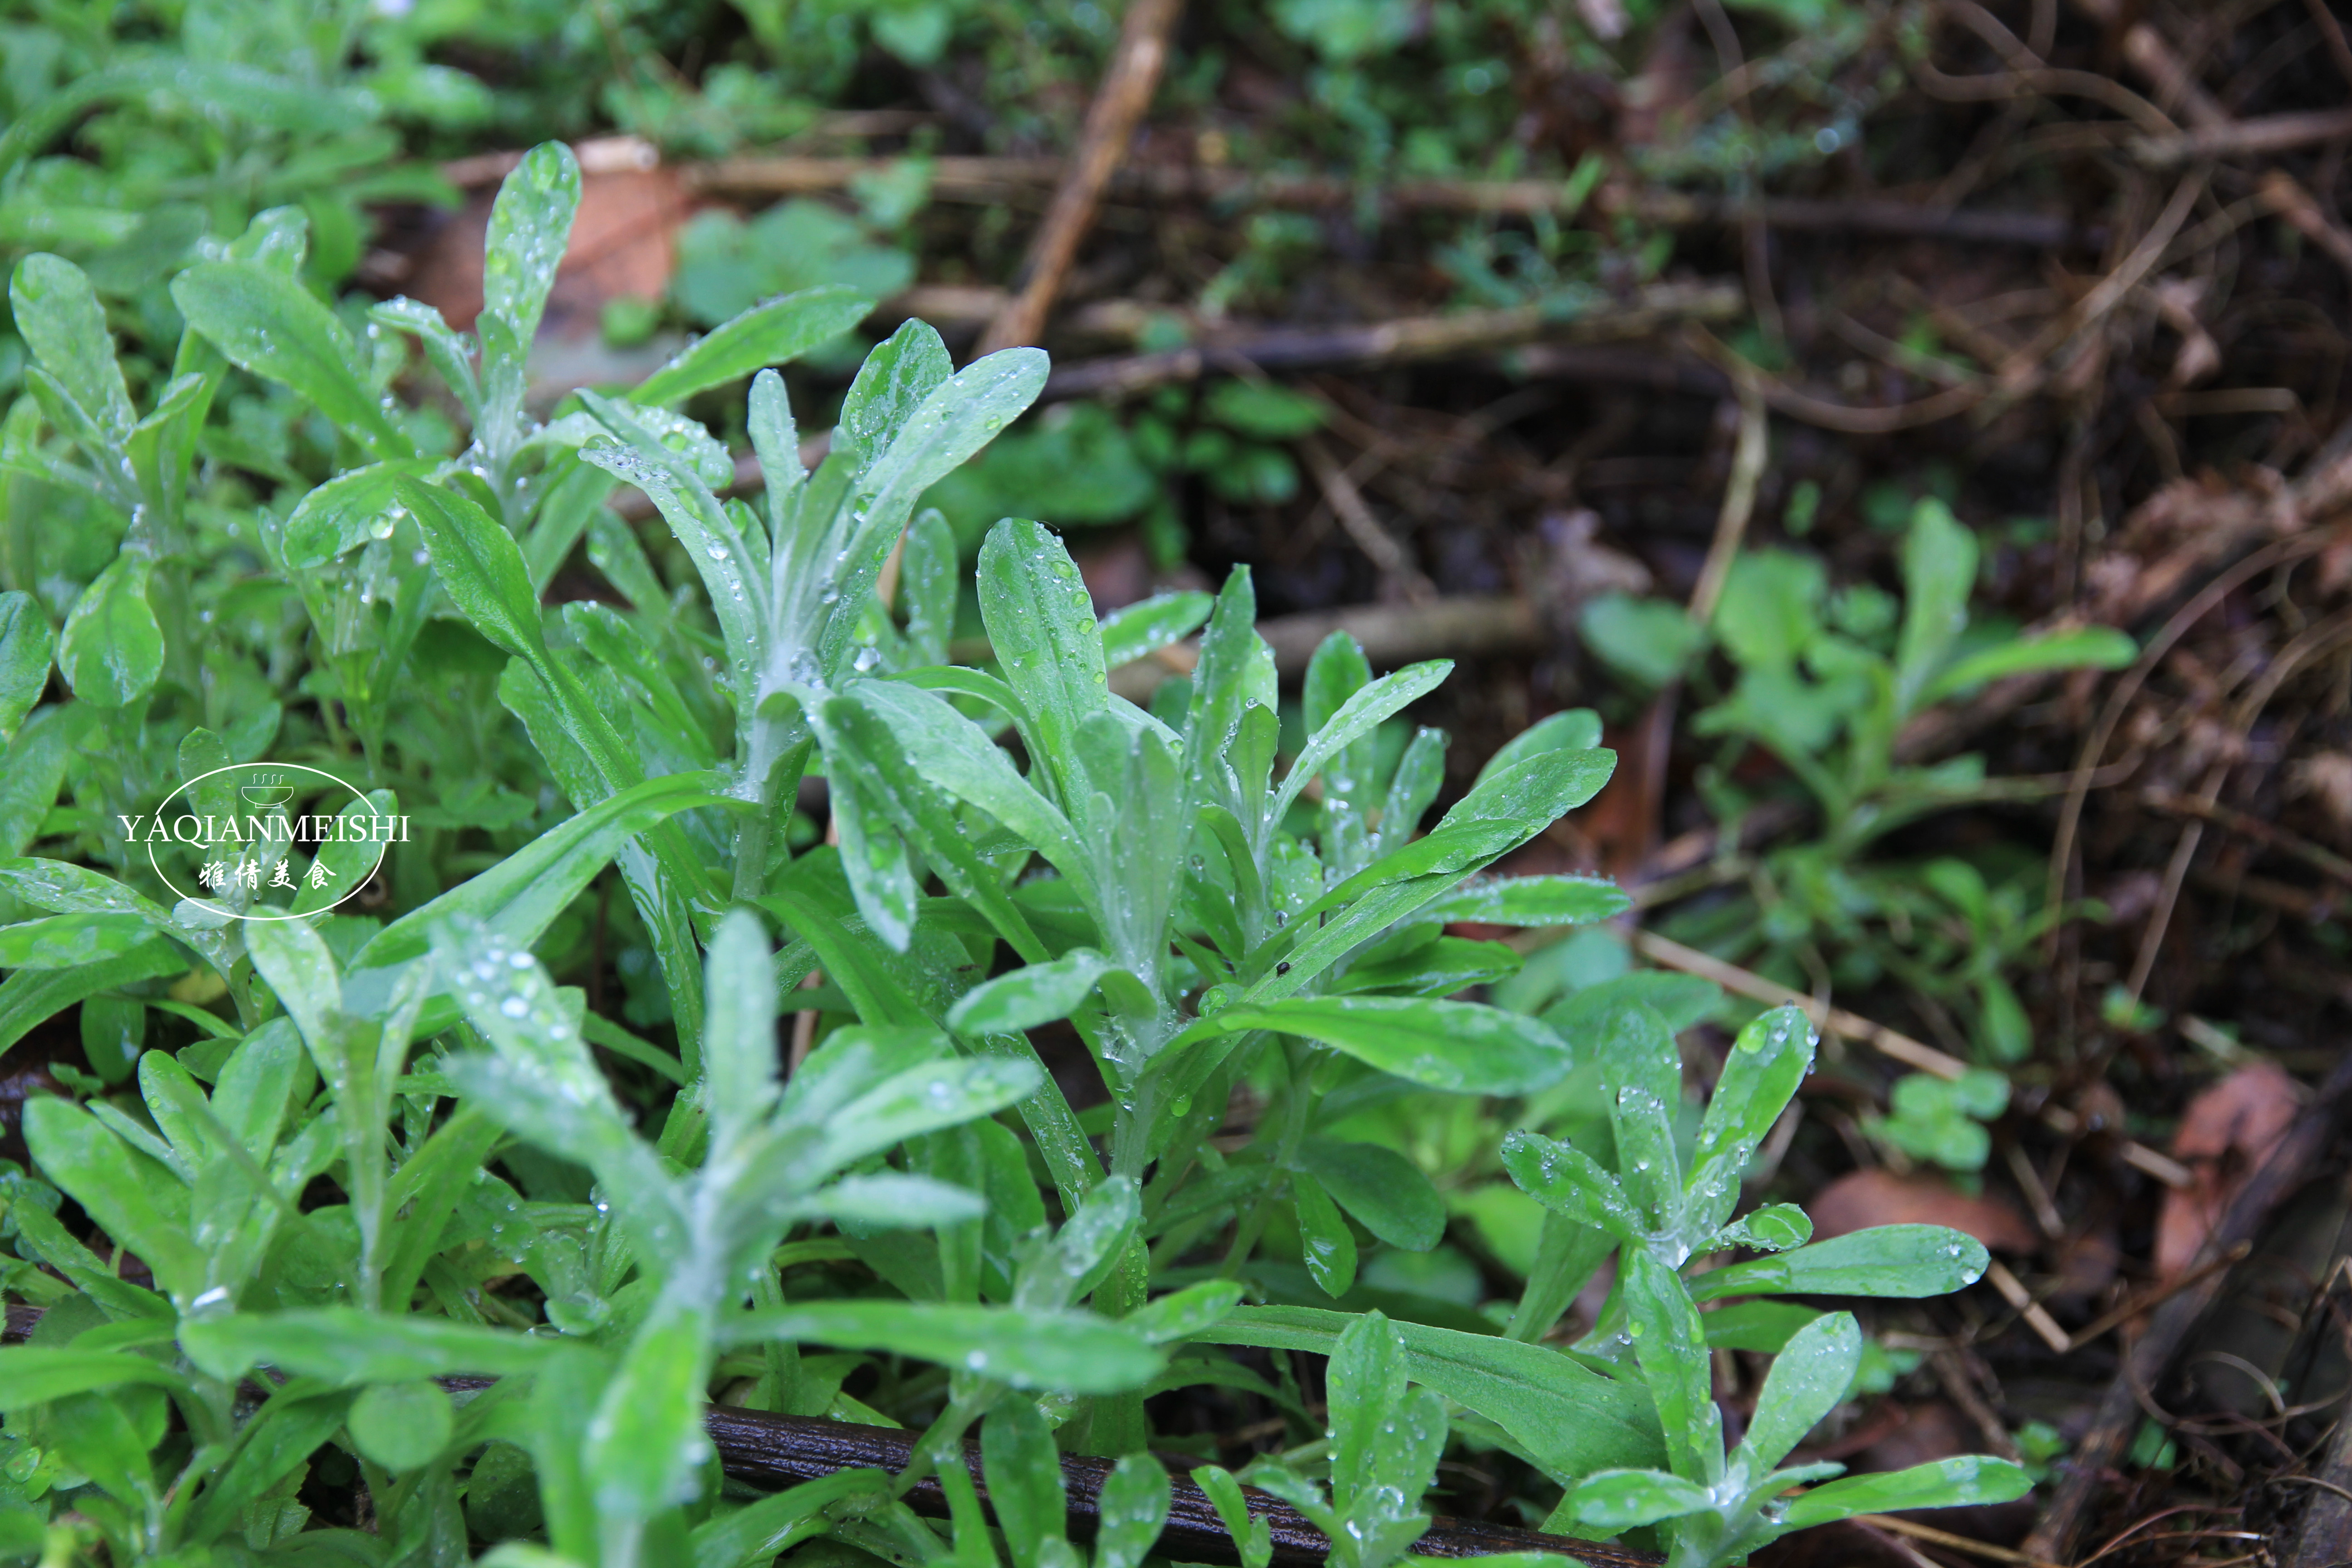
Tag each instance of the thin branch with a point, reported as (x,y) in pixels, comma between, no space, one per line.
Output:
(1398,341)
(1346,503)
(2243,137)
(1117,109)
(1738,502)
(993,180)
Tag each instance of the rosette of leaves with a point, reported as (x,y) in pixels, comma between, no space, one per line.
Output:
(1658,1211)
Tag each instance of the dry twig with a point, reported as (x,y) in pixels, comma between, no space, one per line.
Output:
(1346,503)
(991,180)
(1397,341)
(1117,109)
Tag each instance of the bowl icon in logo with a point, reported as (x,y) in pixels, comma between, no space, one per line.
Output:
(268,794)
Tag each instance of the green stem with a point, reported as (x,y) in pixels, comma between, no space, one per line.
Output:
(1295,1108)
(777,756)
(942,1437)
(1566,1254)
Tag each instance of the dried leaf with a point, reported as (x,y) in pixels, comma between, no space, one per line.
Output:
(2228,1131)
(1867,1198)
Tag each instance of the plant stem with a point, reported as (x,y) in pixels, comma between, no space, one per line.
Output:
(1296,1106)
(777,756)
(940,1440)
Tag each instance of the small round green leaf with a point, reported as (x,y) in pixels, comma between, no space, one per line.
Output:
(402,1426)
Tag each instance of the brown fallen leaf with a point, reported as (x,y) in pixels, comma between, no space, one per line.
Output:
(624,245)
(1864,1198)
(2228,1131)
(1931,1430)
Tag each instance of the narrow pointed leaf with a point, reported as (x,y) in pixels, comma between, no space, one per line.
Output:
(1946,1483)
(1904,1261)
(1075,1352)
(1459,1047)
(1572,1421)
(776,333)
(1669,1344)
(1134,630)
(1029,997)
(1807,1379)
(267,323)
(347,1348)
(1568,1180)
(1356,717)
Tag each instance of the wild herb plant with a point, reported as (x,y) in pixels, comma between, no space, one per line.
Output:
(394,1164)
(1824,683)
(1661,1211)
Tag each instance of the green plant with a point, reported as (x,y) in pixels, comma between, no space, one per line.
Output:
(377,1148)
(1660,1211)
(1943,1120)
(1824,683)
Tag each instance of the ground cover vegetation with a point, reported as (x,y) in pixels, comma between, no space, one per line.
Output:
(1215,937)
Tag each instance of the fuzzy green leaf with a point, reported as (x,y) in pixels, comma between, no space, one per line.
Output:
(2082,647)
(35,1375)
(1356,717)
(1807,1379)
(25,642)
(347,511)
(776,333)
(1669,1344)
(347,1348)
(1324,1242)
(57,313)
(1622,1500)
(1134,630)
(402,1426)
(1533,902)
(1024,1479)
(269,324)
(531,226)
(1568,1180)
(1075,1352)
(480,565)
(1572,1421)
(757,1531)
(113,649)
(1042,625)
(1946,1483)
(1905,1261)
(1133,1508)
(66,941)
(1027,997)
(1460,1048)
(1939,567)
(1381,1188)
